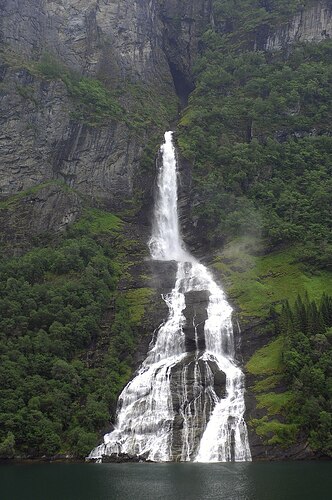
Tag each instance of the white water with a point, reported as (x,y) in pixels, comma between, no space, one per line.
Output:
(213,428)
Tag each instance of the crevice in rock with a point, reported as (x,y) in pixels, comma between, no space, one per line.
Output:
(182,83)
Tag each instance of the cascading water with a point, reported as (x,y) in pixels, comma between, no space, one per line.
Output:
(173,409)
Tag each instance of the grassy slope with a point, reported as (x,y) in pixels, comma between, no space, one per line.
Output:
(255,282)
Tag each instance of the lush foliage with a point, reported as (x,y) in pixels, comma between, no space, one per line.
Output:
(307,357)
(300,359)
(257,129)
(61,365)
(256,279)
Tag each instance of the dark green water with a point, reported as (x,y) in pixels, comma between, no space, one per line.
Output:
(258,481)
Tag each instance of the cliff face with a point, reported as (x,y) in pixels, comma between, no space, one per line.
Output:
(119,42)
(86,34)
(312,24)
(122,43)
(183,23)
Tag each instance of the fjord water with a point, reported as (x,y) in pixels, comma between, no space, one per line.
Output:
(213,427)
(168,481)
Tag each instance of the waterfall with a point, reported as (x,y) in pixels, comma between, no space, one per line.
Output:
(175,408)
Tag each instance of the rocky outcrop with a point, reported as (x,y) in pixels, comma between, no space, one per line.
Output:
(194,379)
(196,315)
(118,42)
(160,277)
(193,401)
(43,213)
(311,24)
(122,43)
(120,458)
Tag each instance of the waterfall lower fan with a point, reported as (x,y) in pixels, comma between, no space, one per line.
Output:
(186,403)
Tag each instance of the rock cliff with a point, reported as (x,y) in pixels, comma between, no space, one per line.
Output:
(310,24)
(123,44)
(119,42)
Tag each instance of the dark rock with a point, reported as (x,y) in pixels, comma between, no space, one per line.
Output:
(163,275)
(183,23)
(45,213)
(195,314)
(191,386)
(122,458)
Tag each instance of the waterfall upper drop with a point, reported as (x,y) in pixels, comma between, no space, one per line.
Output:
(186,402)
(166,242)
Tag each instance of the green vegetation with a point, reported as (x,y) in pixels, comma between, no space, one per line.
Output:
(150,107)
(246,21)
(268,383)
(276,426)
(257,131)
(137,300)
(95,104)
(62,363)
(300,359)
(95,221)
(307,357)
(257,281)
(274,431)
(275,402)
(267,360)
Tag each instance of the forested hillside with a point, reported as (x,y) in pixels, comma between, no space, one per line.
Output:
(67,337)
(257,131)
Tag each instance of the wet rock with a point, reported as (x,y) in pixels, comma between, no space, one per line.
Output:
(163,275)
(219,382)
(120,458)
(196,315)
(193,382)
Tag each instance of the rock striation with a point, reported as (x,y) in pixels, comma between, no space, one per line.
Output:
(121,43)
(42,213)
(40,140)
(311,24)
